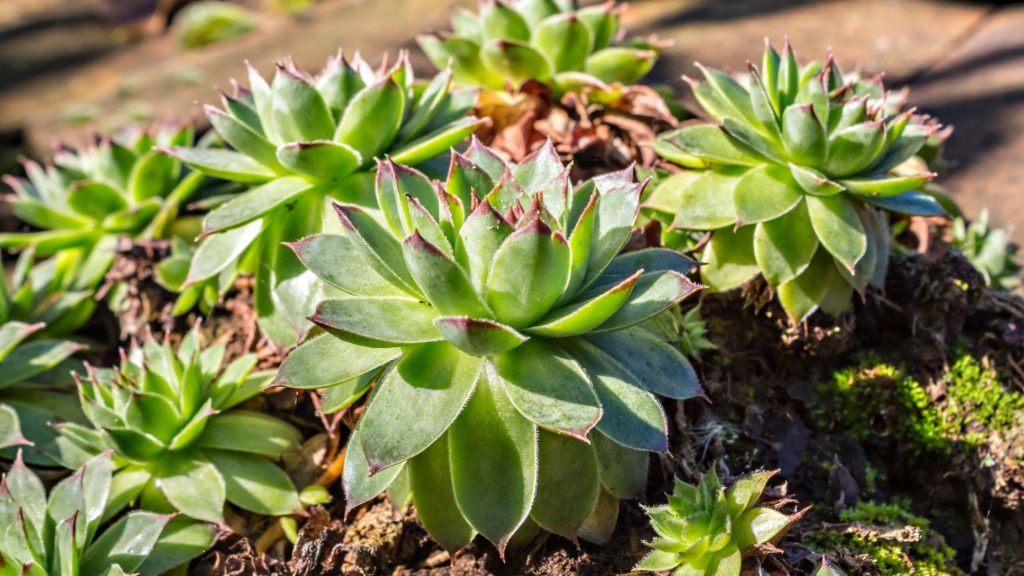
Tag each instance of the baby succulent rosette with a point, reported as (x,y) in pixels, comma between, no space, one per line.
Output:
(497,322)
(297,141)
(179,440)
(68,534)
(551,41)
(794,180)
(706,529)
(57,291)
(87,198)
(35,389)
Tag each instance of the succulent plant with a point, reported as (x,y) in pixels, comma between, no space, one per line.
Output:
(989,250)
(35,388)
(172,273)
(89,197)
(497,321)
(179,440)
(57,291)
(212,21)
(508,42)
(299,140)
(61,535)
(794,180)
(707,529)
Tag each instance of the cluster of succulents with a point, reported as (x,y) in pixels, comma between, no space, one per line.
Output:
(709,529)
(794,178)
(296,142)
(499,303)
(508,42)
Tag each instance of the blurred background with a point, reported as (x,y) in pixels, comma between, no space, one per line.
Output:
(70,68)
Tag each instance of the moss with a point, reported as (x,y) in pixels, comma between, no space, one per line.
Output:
(888,538)
(977,405)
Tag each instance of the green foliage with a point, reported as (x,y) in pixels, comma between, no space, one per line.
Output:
(502,334)
(989,250)
(297,141)
(35,388)
(179,440)
(57,291)
(795,180)
(61,535)
(706,529)
(890,538)
(212,21)
(510,41)
(688,330)
(975,405)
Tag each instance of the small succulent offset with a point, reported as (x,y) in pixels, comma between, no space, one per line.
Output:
(61,535)
(795,180)
(989,250)
(551,41)
(89,197)
(35,388)
(707,529)
(299,140)
(57,291)
(498,323)
(178,438)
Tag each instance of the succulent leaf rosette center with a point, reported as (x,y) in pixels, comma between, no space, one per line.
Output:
(794,177)
(501,330)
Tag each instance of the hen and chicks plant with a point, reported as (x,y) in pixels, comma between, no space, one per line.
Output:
(180,441)
(551,41)
(498,325)
(794,179)
(297,141)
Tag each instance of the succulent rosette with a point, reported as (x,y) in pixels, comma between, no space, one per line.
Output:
(297,141)
(35,388)
(179,440)
(498,324)
(509,42)
(795,179)
(708,529)
(119,186)
(68,533)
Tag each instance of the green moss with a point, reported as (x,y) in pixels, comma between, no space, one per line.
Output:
(890,538)
(977,404)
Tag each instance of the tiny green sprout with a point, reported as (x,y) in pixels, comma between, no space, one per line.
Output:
(179,439)
(827,568)
(314,495)
(795,177)
(708,530)
(68,534)
(501,331)
(989,250)
(212,21)
(510,41)
(297,141)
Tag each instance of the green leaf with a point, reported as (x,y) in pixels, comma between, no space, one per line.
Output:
(658,561)
(182,539)
(478,337)
(254,203)
(322,161)
(910,203)
(838,228)
(335,260)
(529,272)
(434,379)
(813,182)
(827,568)
(500,21)
(431,478)
(567,484)
(565,40)
(548,387)
(620,64)
(702,146)
(801,296)
(220,251)
(443,282)
(65,557)
(255,484)
(127,543)
(804,135)
(515,61)
(325,360)
(298,112)
(623,471)
(338,84)
(707,202)
(225,164)
(371,121)
(234,431)
(95,200)
(783,247)
(34,358)
(729,259)
(377,245)
(853,149)
(630,415)
(885,187)
(653,294)
(585,316)
(481,235)
(359,486)
(464,57)
(658,367)
(765,193)
(759,526)
(378,322)
(27,491)
(746,491)
(196,488)
(491,445)
(10,428)
(243,138)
